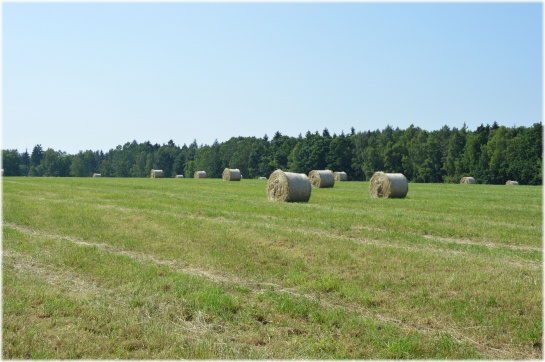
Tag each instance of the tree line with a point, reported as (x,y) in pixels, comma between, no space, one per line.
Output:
(491,154)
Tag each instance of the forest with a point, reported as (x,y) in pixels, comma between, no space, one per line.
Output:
(491,154)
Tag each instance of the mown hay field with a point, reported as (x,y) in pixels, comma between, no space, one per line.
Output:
(104,268)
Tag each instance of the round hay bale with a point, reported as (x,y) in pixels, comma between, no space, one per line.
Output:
(288,186)
(513,183)
(388,185)
(467,180)
(179,176)
(262,178)
(231,174)
(340,176)
(157,174)
(96,175)
(199,174)
(321,178)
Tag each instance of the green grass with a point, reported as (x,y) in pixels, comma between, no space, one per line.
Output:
(206,269)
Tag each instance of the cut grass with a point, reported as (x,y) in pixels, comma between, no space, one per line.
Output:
(143,268)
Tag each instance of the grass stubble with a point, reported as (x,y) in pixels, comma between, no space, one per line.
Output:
(205,269)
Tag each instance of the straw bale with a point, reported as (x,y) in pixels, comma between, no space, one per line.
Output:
(157,174)
(340,176)
(513,183)
(467,180)
(321,178)
(388,185)
(231,174)
(199,174)
(96,175)
(288,186)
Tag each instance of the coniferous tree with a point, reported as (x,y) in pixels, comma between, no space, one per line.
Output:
(24,163)
(36,156)
(214,167)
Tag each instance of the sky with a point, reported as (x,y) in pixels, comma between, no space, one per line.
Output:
(92,76)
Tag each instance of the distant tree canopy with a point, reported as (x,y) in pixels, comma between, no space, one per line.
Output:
(490,154)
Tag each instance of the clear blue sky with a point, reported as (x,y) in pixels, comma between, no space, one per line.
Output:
(93,76)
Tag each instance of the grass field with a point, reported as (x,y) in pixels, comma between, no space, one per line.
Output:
(104,268)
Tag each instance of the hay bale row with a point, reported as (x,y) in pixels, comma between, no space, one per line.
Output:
(388,185)
(467,180)
(157,174)
(340,176)
(288,186)
(231,174)
(321,178)
(296,187)
(199,174)
(512,183)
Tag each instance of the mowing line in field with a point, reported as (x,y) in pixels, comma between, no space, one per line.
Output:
(484,243)
(71,281)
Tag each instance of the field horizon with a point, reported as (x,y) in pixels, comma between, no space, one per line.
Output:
(141,268)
